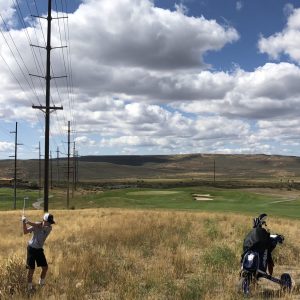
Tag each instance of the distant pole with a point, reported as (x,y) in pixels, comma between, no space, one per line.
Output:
(74,170)
(51,178)
(15,165)
(68,175)
(15,172)
(40,170)
(76,173)
(57,164)
(214,171)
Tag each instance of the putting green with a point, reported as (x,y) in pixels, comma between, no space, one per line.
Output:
(147,193)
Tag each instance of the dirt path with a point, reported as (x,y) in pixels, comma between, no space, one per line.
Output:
(39,202)
(280,201)
(283,193)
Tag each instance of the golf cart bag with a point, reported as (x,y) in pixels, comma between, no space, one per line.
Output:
(254,267)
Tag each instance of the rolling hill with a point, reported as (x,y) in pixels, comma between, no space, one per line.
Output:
(206,167)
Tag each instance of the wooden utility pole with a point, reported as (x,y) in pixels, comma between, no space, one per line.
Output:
(57,164)
(74,170)
(46,109)
(68,175)
(40,170)
(15,165)
(214,171)
(51,177)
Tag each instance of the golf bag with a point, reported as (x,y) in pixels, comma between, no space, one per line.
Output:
(254,266)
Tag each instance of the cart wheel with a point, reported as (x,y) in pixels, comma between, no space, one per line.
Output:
(245,285)
(286,282)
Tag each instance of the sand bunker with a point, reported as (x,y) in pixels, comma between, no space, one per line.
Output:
(202,197)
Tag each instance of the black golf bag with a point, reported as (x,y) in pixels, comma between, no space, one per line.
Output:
(254,266)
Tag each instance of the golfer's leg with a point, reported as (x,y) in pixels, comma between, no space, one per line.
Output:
(43,275)
(29,278)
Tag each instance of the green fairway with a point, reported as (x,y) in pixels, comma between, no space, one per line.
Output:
(7,198)
(222,200)
(231,200)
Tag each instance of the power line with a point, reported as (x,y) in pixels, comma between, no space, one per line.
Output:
(17,80)
(21,18)
(32,85)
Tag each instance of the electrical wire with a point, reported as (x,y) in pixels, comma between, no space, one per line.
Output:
(39,66)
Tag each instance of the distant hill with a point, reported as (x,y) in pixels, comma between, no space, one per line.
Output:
(193,166)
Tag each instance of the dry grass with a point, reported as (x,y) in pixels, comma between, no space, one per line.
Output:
(127,254)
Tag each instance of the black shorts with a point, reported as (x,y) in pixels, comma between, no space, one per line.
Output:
(35,256)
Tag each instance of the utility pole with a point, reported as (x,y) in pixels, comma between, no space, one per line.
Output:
(214,171)
(57,164)
(68,175)
(15,165)
(74,170)
(46,109)
(51,178)
(40,170)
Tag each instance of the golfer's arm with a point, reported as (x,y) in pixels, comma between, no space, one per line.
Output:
(28,230)
(31,224)
(25,229)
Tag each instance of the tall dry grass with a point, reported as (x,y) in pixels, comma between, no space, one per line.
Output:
(115,254)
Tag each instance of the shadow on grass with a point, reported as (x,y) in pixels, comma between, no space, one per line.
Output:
(276,294)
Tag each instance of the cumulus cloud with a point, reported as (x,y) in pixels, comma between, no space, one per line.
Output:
(145,126)
(141,82)
(285,42)
(7,12)
(139,51)
(270,91)
(6,147)
(136,33)
(84,141)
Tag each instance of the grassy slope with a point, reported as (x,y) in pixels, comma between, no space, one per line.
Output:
(130,254)
(228,167)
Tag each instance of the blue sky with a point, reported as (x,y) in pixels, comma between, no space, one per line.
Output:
(154,77)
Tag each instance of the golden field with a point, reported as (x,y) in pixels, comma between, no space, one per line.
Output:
(134,254)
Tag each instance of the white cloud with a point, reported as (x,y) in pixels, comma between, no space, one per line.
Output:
(141,82)
(181,8)
(84,141)
(135,33)
(270,91)
(285,42)
(7,12)
(288,9)
(6,147)
(239,5)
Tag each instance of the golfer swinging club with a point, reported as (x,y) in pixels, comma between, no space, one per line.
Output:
(35,251)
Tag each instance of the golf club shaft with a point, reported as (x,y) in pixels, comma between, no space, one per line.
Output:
(24,203)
